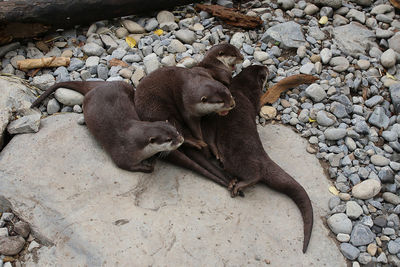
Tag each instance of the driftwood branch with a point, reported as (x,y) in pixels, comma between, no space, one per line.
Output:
(285,84)
(230,16)
(46,62)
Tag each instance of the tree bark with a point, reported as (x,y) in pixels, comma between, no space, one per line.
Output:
(28,18)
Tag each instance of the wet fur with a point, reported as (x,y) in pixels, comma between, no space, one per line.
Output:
(111,118)
(236,139)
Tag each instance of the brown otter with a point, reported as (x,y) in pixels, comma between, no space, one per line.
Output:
(181,96)
(220,61)
(111,118)
(236,139)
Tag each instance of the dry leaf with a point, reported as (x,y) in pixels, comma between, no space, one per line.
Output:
(323,20)
(333,190)
(283,85)
(118,62)
(130,41)
(158,32)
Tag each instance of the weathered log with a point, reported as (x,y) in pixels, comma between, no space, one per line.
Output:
(45,62)
(230,16)
(28,18)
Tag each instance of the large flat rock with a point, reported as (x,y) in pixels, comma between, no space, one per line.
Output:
(94,214)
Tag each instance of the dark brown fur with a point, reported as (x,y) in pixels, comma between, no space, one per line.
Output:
(236,139)
(111,118)
(217,69)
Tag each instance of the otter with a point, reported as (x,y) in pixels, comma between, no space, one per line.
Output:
(111,118)
(236,140)
(220,61)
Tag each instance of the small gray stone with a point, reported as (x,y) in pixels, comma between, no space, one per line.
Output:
(379,118)
(388,58)
(353,210)
(339,64)
(339,110)
(288,34)
(395,165)
(186,36)
(357,15)
(53,106)
(340,223)
(260,56)
(325,119)
(363,64)
(237,39)
(379,160)
(102,71)
(121,32)
(93,49)
(349,251)
(333,202)
(361,235)
(22,228)
(350,143)
(361,127)
(366,189)
(331,3)
(26,124)
(395,95)
(382,258)
(326,55)
(43,81)
(75,64)
(376,99)
(343,237)
(386,175)
(394,43)
(68,97)
(176,47)
(383,33)
(11,245)
(109,43)
(381,9)
(390,136)
(364,258)
(151,24)
(286,4)
(311,9)
(165,16)
(132,26)
(335,133)
(307,68)
(151,63)
(5,205)
(316,92)
(3,232)
(393,247)
(391,198)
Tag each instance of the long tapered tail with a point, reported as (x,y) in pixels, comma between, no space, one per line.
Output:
(281,181)
(79,86)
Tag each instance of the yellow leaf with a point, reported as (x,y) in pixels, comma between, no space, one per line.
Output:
(130,41)
(333,190)
(391,76)
(323,20)
(311,120)
(158,32)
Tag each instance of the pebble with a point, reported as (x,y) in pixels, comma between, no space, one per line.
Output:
(393,247)
(311,9)
(353,210)
(260,56)
(361,235)
(335,133)
(11,245)
(343,237)
(340,223)
(26,124)
(339,64)
(151,63)
(316,92)
(53,106)
(325,118)
(388,58)
(372,248)
(349,251)
(366,189)
(363,64)
(93,49)
(22,228)
(186,36)
(175,47)
(288,34)
(68,97)
(132,26)
(379,160)
(268,112)
(379,118)
(237,39)
(326,55)
(394,90)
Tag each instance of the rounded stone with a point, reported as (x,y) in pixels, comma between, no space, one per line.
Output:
(353,210)
(186,36)
(237,39)
(165,16)
(121,32)
(260,56)
(343,237)
(176,47)
(366,189)
(68,97)
(363,64)
(93,49)
(379,160)
(326,55)
(53,106)
(132,26)
(361,235)
(335,133)
(311,9)
(22,228)
(339,64)
(349,251)
(11,245)
(393,247)
(391,198)
(268,112)
(388,58)
(340,223)
(325,119)
(316,92)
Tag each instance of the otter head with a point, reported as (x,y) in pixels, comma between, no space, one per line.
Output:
(212,97)
(228,54)
(161,137)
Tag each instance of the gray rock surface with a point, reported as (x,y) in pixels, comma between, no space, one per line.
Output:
(68,97)
(395,95)
(361,235)
(340,223)
(366,189)
(354,38)
(26,124)
(289,34)
(162,218)
(349,251)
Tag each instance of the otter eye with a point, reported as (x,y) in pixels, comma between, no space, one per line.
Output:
(166,121)
(169,140)
(203,99)
(152,140)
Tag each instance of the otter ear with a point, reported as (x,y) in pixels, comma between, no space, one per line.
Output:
(152,140)
(220,53)
(203,99)
(166,121)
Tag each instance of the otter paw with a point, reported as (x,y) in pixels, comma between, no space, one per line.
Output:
(232,184)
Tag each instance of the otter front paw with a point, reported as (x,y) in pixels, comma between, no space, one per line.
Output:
(197,143)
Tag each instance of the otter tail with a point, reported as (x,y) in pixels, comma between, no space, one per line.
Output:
(281,181)
(79,86)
